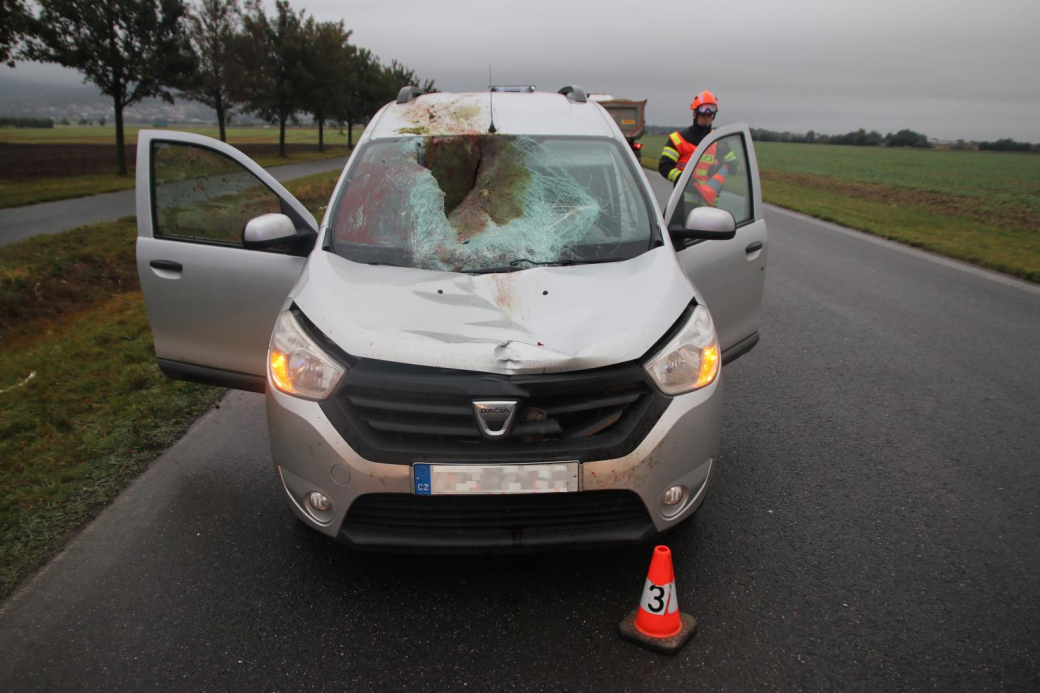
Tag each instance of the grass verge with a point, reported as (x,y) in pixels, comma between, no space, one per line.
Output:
(96,410)
(1006,248)
(94,414)
(30,192)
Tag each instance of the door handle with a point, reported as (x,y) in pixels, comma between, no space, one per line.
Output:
(752,247)
(166,265)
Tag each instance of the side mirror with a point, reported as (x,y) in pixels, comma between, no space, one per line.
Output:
(707,223)
(269,231)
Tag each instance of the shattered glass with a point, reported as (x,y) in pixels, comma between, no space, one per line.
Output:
(489,203)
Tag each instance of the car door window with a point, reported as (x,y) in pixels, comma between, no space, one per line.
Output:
(719,179)
(203,196)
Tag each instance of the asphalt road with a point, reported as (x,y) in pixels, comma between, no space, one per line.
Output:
(872,525)
(17,223)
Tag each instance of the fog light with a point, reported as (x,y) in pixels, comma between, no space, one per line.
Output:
(674,495)
(319,502)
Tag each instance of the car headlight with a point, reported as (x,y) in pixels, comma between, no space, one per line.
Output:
(690,360)
(297,365)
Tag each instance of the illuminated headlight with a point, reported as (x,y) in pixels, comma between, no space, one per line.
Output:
(690,360)
(297,365)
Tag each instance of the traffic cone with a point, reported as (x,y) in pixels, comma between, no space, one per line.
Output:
(657,622)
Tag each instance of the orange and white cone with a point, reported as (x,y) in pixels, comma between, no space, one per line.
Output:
(657,622)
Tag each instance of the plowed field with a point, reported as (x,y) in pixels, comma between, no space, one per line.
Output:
(34,161)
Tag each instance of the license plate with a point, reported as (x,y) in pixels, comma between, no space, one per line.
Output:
(475,479)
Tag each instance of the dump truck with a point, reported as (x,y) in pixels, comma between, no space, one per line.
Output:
(629,116)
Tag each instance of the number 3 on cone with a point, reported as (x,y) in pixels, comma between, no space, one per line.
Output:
(658,598)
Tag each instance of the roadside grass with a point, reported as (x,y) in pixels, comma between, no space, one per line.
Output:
(28,192)
(45,279)
(95,413)
(978,207)
(1007,249)
(97,409)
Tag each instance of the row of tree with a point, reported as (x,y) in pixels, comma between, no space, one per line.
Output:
(1008,145)
(903,138)
(228,57)
(26,123)
(859,138)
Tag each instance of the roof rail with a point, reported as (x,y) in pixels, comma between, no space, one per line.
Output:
(408,93)
(574,92)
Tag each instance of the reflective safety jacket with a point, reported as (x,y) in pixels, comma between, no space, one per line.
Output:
(709,176)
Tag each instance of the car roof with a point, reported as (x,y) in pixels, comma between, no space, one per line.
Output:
(538,113)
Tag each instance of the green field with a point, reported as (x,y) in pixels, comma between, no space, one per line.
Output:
(980,207)
(94,134)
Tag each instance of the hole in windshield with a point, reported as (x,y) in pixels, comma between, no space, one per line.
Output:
(482,177)
(476,203)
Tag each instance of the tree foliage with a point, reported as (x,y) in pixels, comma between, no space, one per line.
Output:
(372,85)
(903,138)
(14,20)
(1006,145)
(858,138)
(216,40)
(330,62)
(907,138)
(131,49)
(365,92)
(26,123)
(397,75)
(275,66)
(274,58)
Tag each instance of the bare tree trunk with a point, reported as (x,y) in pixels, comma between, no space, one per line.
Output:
(221,117)
(350,134)
(321,134)
(120,145)
(281,136)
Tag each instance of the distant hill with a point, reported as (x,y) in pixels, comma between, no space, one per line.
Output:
(19,97)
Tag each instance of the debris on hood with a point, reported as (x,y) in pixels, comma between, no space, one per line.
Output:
(459,116)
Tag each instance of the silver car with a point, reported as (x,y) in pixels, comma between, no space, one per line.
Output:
(494,338)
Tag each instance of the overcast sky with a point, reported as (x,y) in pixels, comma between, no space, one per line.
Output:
(948,68)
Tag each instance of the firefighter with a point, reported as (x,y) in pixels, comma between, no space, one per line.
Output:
(717,162)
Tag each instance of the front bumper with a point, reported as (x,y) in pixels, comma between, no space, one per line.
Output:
(310,455)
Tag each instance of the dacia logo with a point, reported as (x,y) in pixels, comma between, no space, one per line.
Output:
(495,419)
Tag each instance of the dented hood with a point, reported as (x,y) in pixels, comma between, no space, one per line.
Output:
(539,320)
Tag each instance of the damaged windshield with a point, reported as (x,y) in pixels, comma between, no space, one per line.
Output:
(471,203)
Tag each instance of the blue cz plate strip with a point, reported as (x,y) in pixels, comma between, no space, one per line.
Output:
(421,475)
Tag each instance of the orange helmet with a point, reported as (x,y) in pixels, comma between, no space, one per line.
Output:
(705,98)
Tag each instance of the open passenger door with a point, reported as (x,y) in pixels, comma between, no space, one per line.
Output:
(729,274)
(211,302)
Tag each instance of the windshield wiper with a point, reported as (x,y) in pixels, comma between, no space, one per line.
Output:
(515,265)
(563,263)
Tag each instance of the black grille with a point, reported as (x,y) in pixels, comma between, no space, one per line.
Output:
(402,520)
(401,414)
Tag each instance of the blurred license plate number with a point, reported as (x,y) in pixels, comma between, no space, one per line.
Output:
(475,479)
